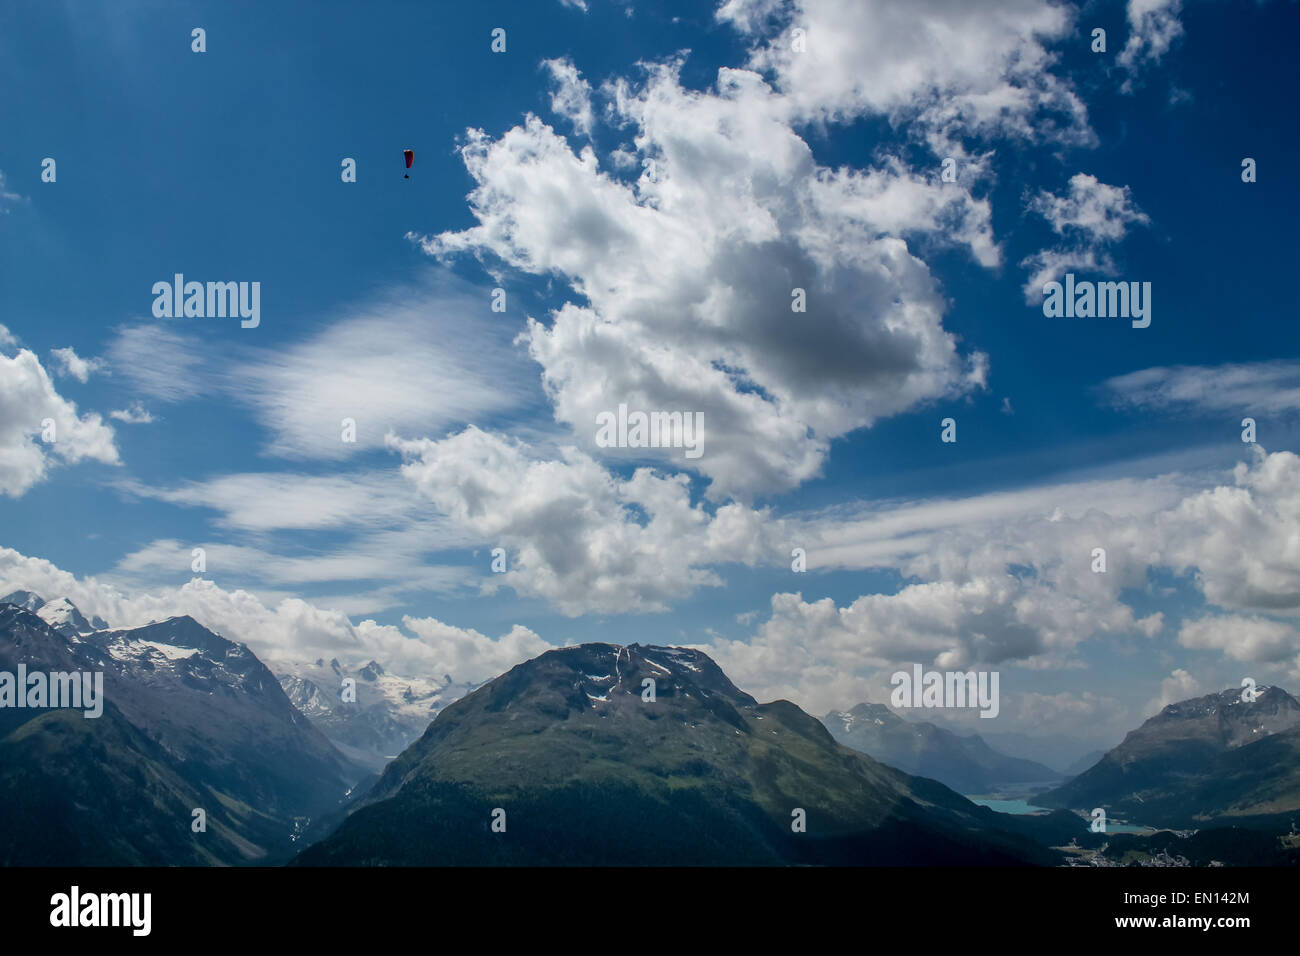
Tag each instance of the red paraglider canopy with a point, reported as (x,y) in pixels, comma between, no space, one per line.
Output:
(410,157)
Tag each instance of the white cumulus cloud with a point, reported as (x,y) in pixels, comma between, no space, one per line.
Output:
(1091,217)
(576,534)
(69,362)
(689,276)
(31,410)
(1154,25)
(292,630)
(133,414)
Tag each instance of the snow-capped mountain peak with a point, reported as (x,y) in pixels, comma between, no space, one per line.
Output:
(62,615)
(25,600)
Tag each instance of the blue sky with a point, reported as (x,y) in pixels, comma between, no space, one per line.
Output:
(225,166)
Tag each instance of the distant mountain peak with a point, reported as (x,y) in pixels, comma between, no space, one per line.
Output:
(26,600)
(608,668)
(1196,759)
(878,714)
(62,615)
(1230,698)
(967,764)
(1223,715)
(181,631)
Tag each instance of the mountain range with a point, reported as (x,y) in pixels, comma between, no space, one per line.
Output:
(191,721)
(595,754)
(387,712)
(61,614)
(967,764)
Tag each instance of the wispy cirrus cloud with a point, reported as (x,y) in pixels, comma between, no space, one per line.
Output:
(161,361)
(422,358)
(254,568)
(1269,386)
(372,544)
(293,501)
(402,368)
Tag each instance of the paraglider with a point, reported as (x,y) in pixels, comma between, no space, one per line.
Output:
(410,158)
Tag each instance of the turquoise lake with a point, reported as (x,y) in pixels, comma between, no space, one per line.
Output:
(1021,806)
